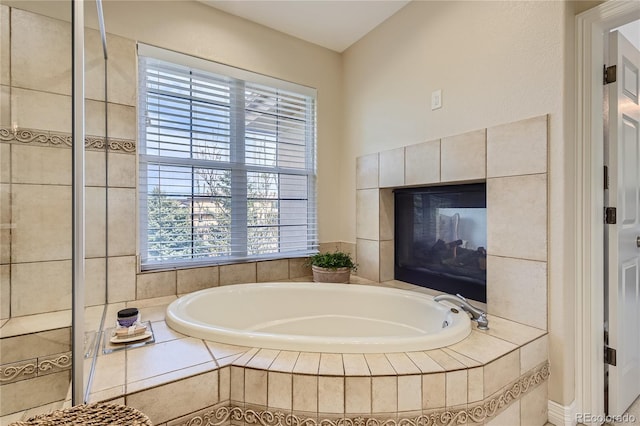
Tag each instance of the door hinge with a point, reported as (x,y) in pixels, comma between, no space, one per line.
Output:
(606,177)
(609,356)
(610,74)
(610,215)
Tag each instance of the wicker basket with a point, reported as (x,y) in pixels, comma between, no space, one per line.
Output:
(97,414)
(325,275)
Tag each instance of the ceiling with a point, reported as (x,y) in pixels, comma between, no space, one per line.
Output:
(334,24)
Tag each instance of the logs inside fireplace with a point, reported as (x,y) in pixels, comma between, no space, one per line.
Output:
(440,238)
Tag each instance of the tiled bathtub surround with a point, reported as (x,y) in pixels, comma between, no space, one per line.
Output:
(472,382)
(512,158)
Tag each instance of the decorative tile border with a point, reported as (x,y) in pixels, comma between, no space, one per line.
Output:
(51,139)
(29,369)
(478,413)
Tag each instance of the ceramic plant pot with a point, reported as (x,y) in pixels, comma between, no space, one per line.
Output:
(325,275)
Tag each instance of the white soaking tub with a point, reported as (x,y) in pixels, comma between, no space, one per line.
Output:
(316,317)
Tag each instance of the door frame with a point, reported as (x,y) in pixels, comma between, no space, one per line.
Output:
(589,199)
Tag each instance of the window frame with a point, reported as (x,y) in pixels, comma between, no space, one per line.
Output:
(237,164)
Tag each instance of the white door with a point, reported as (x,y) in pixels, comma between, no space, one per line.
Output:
(622,246)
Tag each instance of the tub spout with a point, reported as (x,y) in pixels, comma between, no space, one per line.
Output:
(476,314)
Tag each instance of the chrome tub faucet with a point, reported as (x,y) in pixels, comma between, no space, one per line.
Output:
(476,314)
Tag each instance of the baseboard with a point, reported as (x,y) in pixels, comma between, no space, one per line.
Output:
(560,415)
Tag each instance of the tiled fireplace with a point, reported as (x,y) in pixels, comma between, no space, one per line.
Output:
(512,160)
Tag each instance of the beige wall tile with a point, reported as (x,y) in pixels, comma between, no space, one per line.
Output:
(5,291)
(305,393)
(517,213)
(30,281)
(329,247)
(475,384)
(409,393)
(38,44)
(122,170)
(510,279)
(95,164)
(5,223)
(368,214)
(95,281)
(5,47)
(433,391)
(279,391)
(384,394)
(122,222)
(122,121)
(518,148)
(34,345)
(533,354)
(95,221)
(501,372)
(34,392)
(463,157)
(367,171)
(273,270)
(368,259)
(386,214)
(387,253)
(238,273)
(40,165)
(348,248)
(94,65)
(422,163)
(533,406)
(40,110)
(357,395)
(237,384)
(255,386)
(94,118)
(5,163)
(194,279)
(299,268)
(121,279)
(42,218)
(510,416)
(5,106)
(5,246)
(155,284)
(391,172)
(176,398)
(456,388)
(224,378)
(122,70)
(331,395)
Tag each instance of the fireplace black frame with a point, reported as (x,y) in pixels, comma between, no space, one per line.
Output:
(468,287)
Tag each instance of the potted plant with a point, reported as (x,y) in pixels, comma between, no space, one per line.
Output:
(332,267)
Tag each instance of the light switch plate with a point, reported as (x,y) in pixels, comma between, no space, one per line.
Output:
(436,99)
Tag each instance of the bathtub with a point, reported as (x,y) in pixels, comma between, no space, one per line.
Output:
(316,317)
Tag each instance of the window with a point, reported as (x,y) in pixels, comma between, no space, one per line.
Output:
(227,163)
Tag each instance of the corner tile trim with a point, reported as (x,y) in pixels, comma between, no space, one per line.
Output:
(45,138)
(478,413)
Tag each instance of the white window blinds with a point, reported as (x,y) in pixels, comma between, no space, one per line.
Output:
(227,164)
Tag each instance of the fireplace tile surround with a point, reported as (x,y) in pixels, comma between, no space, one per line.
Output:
(512,158)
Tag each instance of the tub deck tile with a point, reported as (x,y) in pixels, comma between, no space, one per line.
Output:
(307,363)
(146,383)
(228,360)
(468,362)
(402,363)
(513,332)
(223,350)
(263,359)
(246,357)
(355,365)
(447,362)
(331,365)
(482,347)
(285,361)
(424,362)
(379,365)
